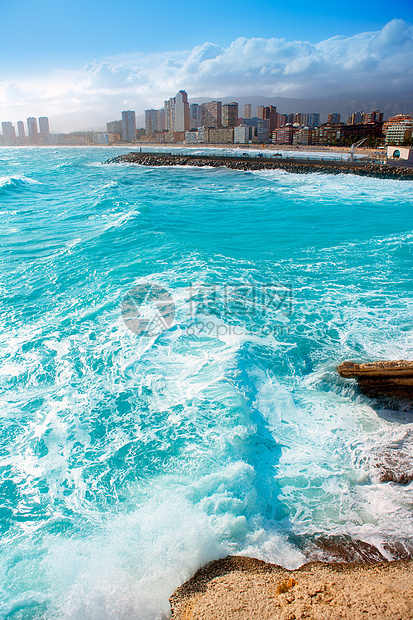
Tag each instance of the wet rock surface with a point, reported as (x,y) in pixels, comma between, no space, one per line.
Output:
(301,165)
(393,461)
(338,548)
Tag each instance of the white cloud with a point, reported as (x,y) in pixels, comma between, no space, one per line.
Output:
(369,63)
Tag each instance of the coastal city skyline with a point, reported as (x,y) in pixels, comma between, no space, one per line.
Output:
(217,122)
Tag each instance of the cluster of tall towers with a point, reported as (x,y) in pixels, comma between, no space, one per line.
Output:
(177,115)
(38,131)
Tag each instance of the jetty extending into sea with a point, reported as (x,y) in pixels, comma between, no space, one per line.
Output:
(245,161)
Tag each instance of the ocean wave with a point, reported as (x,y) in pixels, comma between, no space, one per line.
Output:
(338,187)
(10,183)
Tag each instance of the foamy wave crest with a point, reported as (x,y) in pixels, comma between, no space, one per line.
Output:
(338,188)
(16,182)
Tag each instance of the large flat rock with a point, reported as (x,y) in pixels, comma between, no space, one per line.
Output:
(392,377)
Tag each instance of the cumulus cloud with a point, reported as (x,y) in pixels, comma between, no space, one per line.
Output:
(369,63)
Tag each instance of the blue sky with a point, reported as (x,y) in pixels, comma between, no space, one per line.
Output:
(39,35)
(59,57)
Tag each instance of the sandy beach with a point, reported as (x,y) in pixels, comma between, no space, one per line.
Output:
(241,588)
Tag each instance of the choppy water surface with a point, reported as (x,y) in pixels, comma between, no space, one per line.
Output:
(129,460)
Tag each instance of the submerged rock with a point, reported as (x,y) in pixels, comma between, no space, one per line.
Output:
(393,461)
(337,548)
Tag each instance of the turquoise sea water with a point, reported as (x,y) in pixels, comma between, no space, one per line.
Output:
(128,460)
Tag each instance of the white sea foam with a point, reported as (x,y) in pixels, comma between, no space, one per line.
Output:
(127,568)
(340,187)
(16,181)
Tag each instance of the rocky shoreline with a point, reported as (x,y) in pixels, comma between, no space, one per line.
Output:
(302,166)
(242,588)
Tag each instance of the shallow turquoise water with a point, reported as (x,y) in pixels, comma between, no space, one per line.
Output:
(129,460)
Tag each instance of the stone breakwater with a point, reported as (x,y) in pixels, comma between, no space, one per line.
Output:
(302,166)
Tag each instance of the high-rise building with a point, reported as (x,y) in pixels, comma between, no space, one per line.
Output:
(263,130)
(230,114)
(399,118)
(286,119)
(356,118)
(333,118)
(247,110)
(195,115)
(283,120)
(161,119)
(182,122)
(168,110)
(9,133)
(20,130)
(32,130)
(260,111)
(299,118)
(128,126)
(211,114)
(44,126)
(269,113)
(177,112)
(151,122)
(373,117)
(313,120)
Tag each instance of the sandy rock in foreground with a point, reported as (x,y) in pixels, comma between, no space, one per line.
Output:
(238,588)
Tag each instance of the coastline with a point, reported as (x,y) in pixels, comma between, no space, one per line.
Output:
(242,588)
